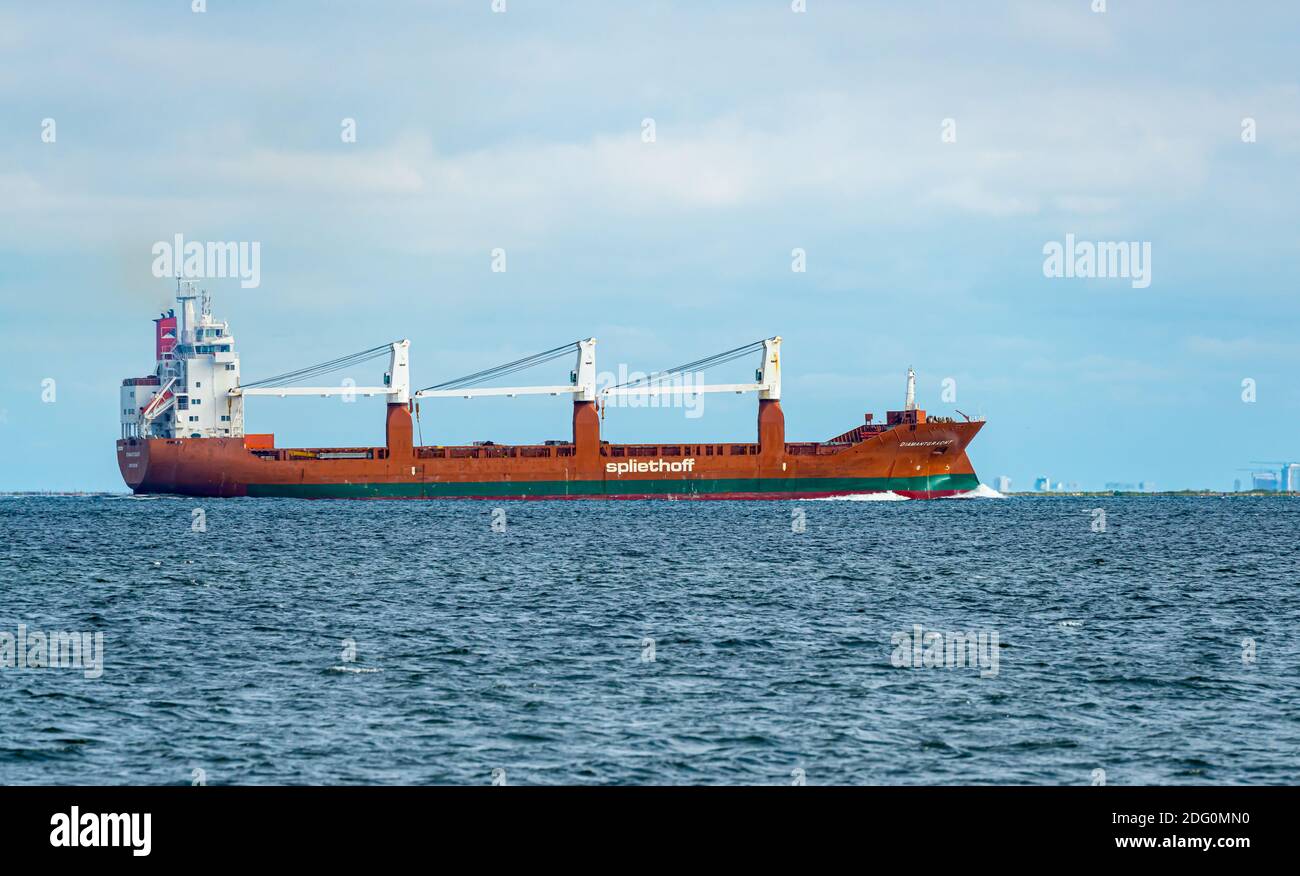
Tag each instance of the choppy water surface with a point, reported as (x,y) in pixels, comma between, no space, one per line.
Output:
(229,651)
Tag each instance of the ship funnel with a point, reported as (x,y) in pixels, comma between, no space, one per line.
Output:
(910,403)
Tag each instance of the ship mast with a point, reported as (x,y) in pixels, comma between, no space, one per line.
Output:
(910,403)
(187,292)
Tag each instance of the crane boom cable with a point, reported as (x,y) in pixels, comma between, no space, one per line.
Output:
(317,371)
(321,368)
(507,368)
(698,365)
(504,373)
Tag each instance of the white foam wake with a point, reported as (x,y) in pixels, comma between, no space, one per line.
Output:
(887,496)
(983,491)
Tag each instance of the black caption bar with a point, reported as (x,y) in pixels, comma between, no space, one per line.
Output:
(329,825)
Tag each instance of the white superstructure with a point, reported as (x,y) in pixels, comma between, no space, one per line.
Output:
(196,367)
(195,391)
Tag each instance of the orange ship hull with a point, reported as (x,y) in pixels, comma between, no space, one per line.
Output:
(925,459)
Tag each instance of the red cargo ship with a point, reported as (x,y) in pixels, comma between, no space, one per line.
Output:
(183,433)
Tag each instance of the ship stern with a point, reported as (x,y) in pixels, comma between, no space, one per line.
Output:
(133,462)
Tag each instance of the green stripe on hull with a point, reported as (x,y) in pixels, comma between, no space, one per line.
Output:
(679,487)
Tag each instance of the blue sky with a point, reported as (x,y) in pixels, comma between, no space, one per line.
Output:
(773,130)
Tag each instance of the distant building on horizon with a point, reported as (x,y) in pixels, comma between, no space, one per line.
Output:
(1003,484)
(1291,477)
(1042,484)
(1265,480)
(1284,479)
(1236,485)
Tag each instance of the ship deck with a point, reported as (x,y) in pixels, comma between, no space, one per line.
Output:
(552,450)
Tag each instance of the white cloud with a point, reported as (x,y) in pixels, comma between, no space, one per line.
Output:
(1241,348)
(857,158)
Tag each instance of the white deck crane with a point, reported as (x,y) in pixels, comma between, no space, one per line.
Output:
(582,379)
(582,385)
(767,377)
(397,380)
